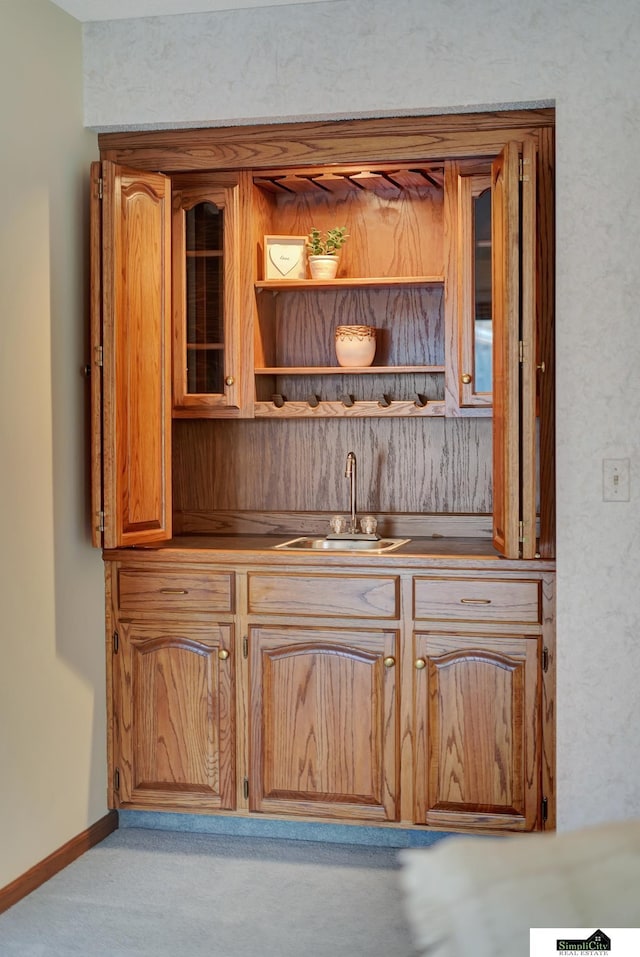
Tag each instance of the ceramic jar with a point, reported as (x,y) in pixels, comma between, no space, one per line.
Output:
(355,345)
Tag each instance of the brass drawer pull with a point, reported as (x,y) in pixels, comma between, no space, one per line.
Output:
(174,591)
(475,601)
(223,654)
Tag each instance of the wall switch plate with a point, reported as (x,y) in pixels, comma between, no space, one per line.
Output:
(615,480)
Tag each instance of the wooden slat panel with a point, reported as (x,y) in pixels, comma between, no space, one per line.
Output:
(417,179)
(372,180)
(404,464)
(332,182)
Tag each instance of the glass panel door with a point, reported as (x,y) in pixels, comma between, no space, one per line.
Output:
(204,251)
(482,293)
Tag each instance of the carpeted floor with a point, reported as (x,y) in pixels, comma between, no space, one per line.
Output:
(145,893)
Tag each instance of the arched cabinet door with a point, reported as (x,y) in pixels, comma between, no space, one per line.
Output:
(210,333)
(174,707)
(131,360)
(477,717)
(324,722)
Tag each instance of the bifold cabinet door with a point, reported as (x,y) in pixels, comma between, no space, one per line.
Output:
(131,342)
(477,734)
(174,716)
(513,184)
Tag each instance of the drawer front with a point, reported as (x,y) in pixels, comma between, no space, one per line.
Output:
(148,590)
(326,596)
(477,599)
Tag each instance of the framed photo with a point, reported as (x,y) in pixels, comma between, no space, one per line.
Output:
(285,257)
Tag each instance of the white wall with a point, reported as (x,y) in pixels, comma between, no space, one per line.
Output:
(351,57)
(52,724)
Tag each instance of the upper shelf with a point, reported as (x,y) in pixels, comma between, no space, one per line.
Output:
(381,178)
(376,282)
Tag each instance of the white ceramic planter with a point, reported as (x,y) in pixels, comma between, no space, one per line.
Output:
(323,267)
(355,345)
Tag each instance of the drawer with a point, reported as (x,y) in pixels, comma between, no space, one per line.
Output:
(325,596)
(169,590)
(477,599)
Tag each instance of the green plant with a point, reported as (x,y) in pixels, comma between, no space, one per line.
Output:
(329,243)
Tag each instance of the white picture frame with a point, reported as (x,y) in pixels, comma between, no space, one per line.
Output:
(285,257)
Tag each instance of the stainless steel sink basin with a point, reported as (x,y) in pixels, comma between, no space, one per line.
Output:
(305,544)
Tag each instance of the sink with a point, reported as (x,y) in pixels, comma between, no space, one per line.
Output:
(342,544)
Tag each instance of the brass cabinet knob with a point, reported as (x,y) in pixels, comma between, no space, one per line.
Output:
(223,654)
(229,380)
(466,378)
(420,663)
(389,661)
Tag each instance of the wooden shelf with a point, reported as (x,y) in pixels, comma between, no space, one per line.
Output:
(299,410)
(376,282)
(345,370)
(378,177)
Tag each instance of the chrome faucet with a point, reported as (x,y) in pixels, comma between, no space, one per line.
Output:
(350,473)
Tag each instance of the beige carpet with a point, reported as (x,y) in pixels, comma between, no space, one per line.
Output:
(168,894)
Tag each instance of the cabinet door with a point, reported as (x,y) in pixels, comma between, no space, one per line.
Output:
(477,717)
(131,320)
(209,370)
(514,351)
(324,724)
(174,716)
(469,293)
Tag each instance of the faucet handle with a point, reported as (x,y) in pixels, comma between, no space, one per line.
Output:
(338,524)
(368,524)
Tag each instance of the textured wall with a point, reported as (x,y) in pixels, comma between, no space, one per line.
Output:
(52,721)
(350,57)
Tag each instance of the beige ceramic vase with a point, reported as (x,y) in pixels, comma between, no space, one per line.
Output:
(355,345)
(323,267)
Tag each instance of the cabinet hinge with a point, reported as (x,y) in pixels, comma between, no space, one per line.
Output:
(524,177)
(116,642)
(521,351)
(545,659)
(116,779)
(100,525)
(99,356)
(544,809)
(245,787)
(101,188)
(245,647)
(521,537)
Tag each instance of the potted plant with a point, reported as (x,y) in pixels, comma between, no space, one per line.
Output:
(324,251)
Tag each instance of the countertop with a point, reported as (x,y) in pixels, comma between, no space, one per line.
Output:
(431,552)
